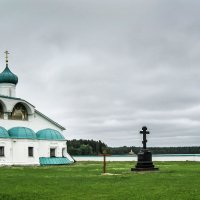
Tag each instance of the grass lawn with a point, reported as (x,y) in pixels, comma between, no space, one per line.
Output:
(83,180)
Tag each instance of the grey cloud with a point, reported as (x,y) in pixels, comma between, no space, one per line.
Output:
(105,68)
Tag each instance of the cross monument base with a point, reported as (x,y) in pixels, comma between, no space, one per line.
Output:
(144,162)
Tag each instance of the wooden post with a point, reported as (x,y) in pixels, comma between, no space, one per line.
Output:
(104,161)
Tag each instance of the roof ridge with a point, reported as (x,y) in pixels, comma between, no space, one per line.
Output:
(55,123)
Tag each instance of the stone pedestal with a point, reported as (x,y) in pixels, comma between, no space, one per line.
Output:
(144,162)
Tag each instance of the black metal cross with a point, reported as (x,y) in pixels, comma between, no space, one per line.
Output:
(144,132)
(6,52)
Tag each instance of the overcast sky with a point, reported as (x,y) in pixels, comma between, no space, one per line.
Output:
(105,68)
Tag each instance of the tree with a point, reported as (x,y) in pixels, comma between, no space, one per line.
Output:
(86,149)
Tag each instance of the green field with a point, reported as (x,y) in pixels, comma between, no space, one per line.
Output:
(83,180)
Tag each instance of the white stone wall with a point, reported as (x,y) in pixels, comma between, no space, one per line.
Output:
(9,103)
(20,152)
(35,122)
(60,146)
(7,159)
(7,89)
(16,151)
(45,145)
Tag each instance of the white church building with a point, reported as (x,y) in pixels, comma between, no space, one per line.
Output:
(27,137)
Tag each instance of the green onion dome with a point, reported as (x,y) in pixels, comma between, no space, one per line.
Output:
(3,133)
(49,134)
(8,77)
(21,133)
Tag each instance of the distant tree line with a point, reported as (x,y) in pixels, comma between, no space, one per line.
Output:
(91,147)
(156,150)
(85,147)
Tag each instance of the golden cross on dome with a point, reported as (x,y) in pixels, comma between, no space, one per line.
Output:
(6,52)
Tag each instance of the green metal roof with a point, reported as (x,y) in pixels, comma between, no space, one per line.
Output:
(22,133)
(8,77)
(3,133)
(54,161)
(49,134)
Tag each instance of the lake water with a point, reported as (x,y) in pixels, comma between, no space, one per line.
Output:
(155,157)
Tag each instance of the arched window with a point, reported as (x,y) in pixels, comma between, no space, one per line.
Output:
(19,112)
(1,111)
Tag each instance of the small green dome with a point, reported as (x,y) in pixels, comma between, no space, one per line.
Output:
(8,77)
(3,133)
(49,134)
(22,133)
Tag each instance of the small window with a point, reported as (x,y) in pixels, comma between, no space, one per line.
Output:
(30,151)
(52,152)
(1,151)
(63,152)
